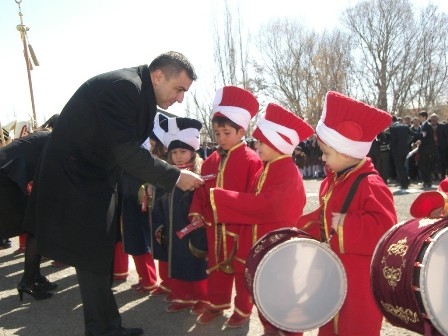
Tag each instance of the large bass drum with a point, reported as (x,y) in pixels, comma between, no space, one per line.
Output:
(297,282)
(409,274)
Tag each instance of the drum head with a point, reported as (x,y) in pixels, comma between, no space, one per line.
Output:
(433,281)
(299,285)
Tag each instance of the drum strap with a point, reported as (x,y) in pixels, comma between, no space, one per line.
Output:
(345,205)
(352,191)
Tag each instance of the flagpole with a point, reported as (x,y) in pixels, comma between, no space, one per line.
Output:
(23,29)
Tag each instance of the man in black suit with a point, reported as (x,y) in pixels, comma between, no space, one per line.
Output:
(98,137)
(205,151)
(399,147)
(426,149)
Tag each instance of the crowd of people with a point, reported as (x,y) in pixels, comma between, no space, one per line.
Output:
(412,150)
(115,178)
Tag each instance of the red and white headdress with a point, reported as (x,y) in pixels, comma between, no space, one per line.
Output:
(430,203)
(281,129)
(349,126)
(237,104)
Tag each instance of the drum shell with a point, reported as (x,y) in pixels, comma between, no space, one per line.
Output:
(298,302)
(397,273)
(263,245)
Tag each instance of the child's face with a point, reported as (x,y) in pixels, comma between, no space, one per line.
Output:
(266,152)
(227,136)
(181,156)
(334,160)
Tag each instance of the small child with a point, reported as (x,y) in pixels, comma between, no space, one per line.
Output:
(187,273)
(267,206)
(345,132)
(234,165)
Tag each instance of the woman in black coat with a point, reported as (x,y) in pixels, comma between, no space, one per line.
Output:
(99,135)
(18,162)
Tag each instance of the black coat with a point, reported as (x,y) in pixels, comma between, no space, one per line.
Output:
(400,136)
(98,135)
(18,162)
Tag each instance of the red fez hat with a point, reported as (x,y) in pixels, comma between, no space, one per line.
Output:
(349,126)
(237,104)
(431,203)
(281,129)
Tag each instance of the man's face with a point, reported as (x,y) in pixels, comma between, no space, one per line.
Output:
(169,91)
(434,120)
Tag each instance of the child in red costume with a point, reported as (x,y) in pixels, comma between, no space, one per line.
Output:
(234,166)
(265,207)
(431,204)
(345,132)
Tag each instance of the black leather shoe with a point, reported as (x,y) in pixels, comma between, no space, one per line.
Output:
(131,331)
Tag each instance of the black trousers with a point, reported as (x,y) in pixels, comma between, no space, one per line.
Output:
(101,315)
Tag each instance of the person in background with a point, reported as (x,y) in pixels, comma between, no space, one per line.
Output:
(345,132)
(400,134)
(383,165)
(441,147)
(426,149)
(266,208)
(99,135)
(234,166)
(186,271)
(205,150)
(299,158)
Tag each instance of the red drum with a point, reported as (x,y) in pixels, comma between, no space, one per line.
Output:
(297,282)
(409,273)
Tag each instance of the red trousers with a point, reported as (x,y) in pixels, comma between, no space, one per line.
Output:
(188,291)
(165,281)
(121,262)
(220,286)
(22,240)
(146,270)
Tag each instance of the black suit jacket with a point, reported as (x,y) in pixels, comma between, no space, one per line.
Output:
(399,138)
(98,135)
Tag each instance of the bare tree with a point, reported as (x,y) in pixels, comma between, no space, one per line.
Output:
(399,61)
(230,53)
(296,67)
(432,77)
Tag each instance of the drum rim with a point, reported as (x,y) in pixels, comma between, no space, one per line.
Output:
(342,273)
(423,280)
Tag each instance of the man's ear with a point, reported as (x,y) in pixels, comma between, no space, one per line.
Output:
(157,76)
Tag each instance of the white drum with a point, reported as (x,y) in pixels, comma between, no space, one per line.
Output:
(297,282)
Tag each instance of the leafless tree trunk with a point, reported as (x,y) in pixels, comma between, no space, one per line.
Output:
(400,61)
(297,67)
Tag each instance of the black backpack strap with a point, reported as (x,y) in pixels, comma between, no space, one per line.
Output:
(352,191)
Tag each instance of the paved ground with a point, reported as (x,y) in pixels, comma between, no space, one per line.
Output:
(62,314)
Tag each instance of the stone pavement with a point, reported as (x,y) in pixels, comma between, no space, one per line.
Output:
(61,315)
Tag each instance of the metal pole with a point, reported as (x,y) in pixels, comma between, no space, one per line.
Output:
(23,29)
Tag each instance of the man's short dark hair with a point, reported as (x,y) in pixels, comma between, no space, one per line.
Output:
(423,114)
(173,63)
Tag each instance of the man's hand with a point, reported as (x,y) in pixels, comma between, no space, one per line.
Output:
(189,180)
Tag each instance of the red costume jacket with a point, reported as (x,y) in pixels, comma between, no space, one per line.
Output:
(370,214)
(276,200)
(236,173)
